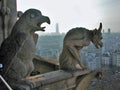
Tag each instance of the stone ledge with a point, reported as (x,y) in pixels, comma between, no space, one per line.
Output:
(54,76)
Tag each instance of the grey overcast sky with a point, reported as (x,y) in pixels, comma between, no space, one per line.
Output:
(77,13)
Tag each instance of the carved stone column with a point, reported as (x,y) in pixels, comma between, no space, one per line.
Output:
(8,17)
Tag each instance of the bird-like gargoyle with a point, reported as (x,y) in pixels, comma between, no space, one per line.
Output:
(17,51)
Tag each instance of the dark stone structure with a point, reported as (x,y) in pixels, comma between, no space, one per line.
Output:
(17,51)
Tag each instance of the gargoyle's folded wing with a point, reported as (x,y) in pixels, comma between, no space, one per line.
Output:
(9,49)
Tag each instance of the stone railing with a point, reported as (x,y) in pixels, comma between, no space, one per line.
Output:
(60,80)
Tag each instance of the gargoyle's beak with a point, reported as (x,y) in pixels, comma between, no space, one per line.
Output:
(46,19)
(43,19)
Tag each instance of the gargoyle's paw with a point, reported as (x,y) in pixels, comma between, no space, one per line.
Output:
(78,67)
(81,67)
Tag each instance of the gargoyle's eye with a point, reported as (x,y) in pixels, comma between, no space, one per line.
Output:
(32,16)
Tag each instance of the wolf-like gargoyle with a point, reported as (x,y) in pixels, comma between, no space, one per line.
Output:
(17,51)
(75,40)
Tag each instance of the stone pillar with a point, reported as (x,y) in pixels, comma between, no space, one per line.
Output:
(8,17)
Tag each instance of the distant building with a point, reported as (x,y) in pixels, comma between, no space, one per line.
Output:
(50,45)
(109,31)
(116,59)
(92,64)
(106,59)
(93,61)
(111,42)
(57,28)
(91,57)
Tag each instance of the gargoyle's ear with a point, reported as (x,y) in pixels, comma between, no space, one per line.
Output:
(100,27)
(95,31)
(19,14)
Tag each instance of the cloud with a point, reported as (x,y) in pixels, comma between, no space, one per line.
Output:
(77,13)
(110,11)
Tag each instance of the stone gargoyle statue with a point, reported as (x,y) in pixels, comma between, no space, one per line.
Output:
(17,51)
(74,40)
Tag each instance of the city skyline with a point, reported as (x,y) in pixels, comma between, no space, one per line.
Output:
(80,13)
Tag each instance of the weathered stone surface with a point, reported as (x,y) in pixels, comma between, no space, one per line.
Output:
(80,72)
(8,17)
(50,77)
(73,42)
(44,65)
(60,80)
(82,82)
(17,51)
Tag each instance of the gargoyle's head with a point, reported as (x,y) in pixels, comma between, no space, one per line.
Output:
(34,19)
(97,37)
